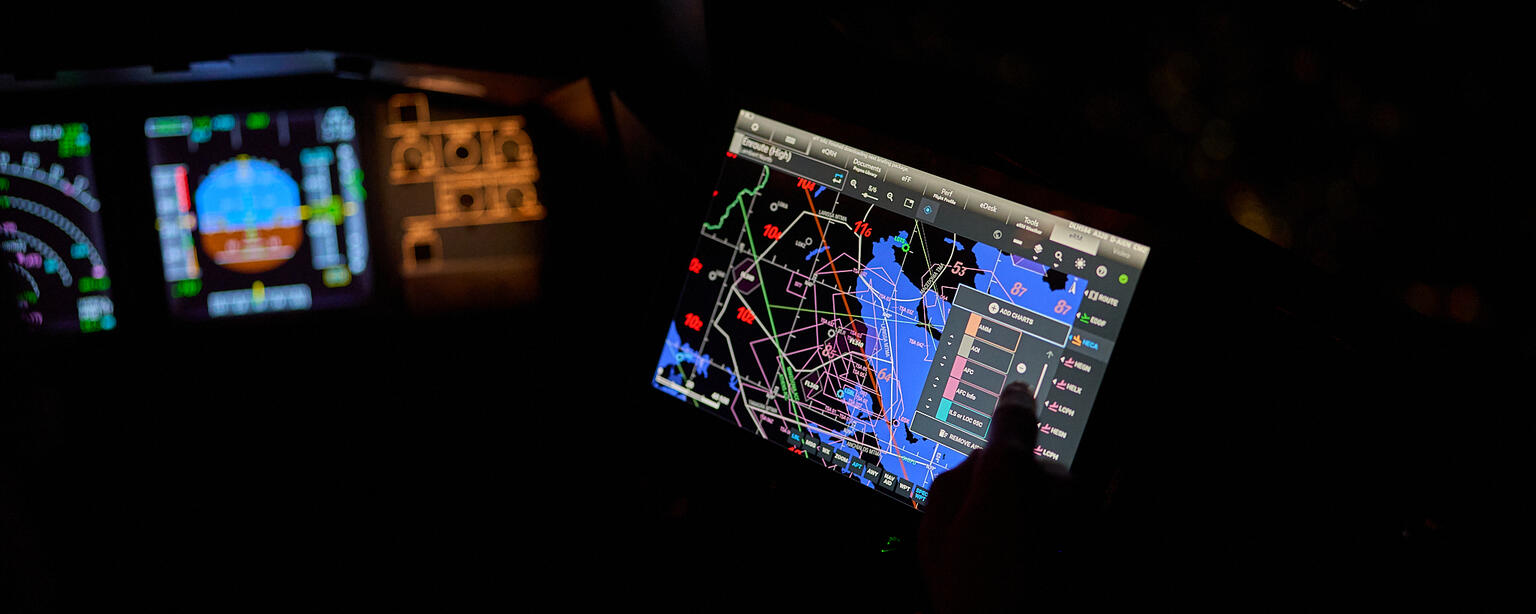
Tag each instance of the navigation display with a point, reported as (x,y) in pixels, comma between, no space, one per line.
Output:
(50,230)
(259,212)
(866,315)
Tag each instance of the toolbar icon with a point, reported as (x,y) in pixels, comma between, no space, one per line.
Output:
(1080,263)
(1102,270)
(1125,278)
(907,202)
(837,177)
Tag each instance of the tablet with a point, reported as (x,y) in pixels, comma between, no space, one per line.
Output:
(865,315)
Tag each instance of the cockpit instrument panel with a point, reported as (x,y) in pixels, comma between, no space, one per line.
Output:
(259,212)
(51,230)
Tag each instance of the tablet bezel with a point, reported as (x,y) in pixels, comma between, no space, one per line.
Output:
(1099,458)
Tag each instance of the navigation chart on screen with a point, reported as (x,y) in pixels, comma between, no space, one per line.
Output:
(822,317)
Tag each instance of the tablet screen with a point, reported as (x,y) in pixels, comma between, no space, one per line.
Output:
(865,314)
(259,212)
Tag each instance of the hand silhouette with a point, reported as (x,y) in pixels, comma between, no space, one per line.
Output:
(983,531)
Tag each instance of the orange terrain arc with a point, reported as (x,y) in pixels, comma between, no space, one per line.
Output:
(874,385)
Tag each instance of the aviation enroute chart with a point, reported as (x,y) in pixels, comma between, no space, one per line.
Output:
(866,315)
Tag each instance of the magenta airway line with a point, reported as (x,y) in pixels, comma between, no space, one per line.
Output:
(786,333)
(764,372)
(874,384)
(802,351)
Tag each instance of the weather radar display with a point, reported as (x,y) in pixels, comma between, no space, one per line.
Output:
(259,212)
(50,230)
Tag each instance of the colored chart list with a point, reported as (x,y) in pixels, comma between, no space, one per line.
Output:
(986,344)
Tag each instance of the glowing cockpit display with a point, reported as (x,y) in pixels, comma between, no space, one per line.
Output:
(259,212)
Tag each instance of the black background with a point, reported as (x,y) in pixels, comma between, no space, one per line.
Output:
(1359,418)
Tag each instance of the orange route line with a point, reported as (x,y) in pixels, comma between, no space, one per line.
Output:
(874,385)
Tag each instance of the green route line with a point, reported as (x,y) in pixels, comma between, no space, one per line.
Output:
(740,195)
(917,229)
(786,380)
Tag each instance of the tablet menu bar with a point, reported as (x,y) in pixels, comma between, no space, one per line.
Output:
(1005,224)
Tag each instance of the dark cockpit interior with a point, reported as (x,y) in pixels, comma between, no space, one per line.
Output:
(321,308)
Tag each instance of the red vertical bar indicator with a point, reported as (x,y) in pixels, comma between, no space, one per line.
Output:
(183,195)
(184,203)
